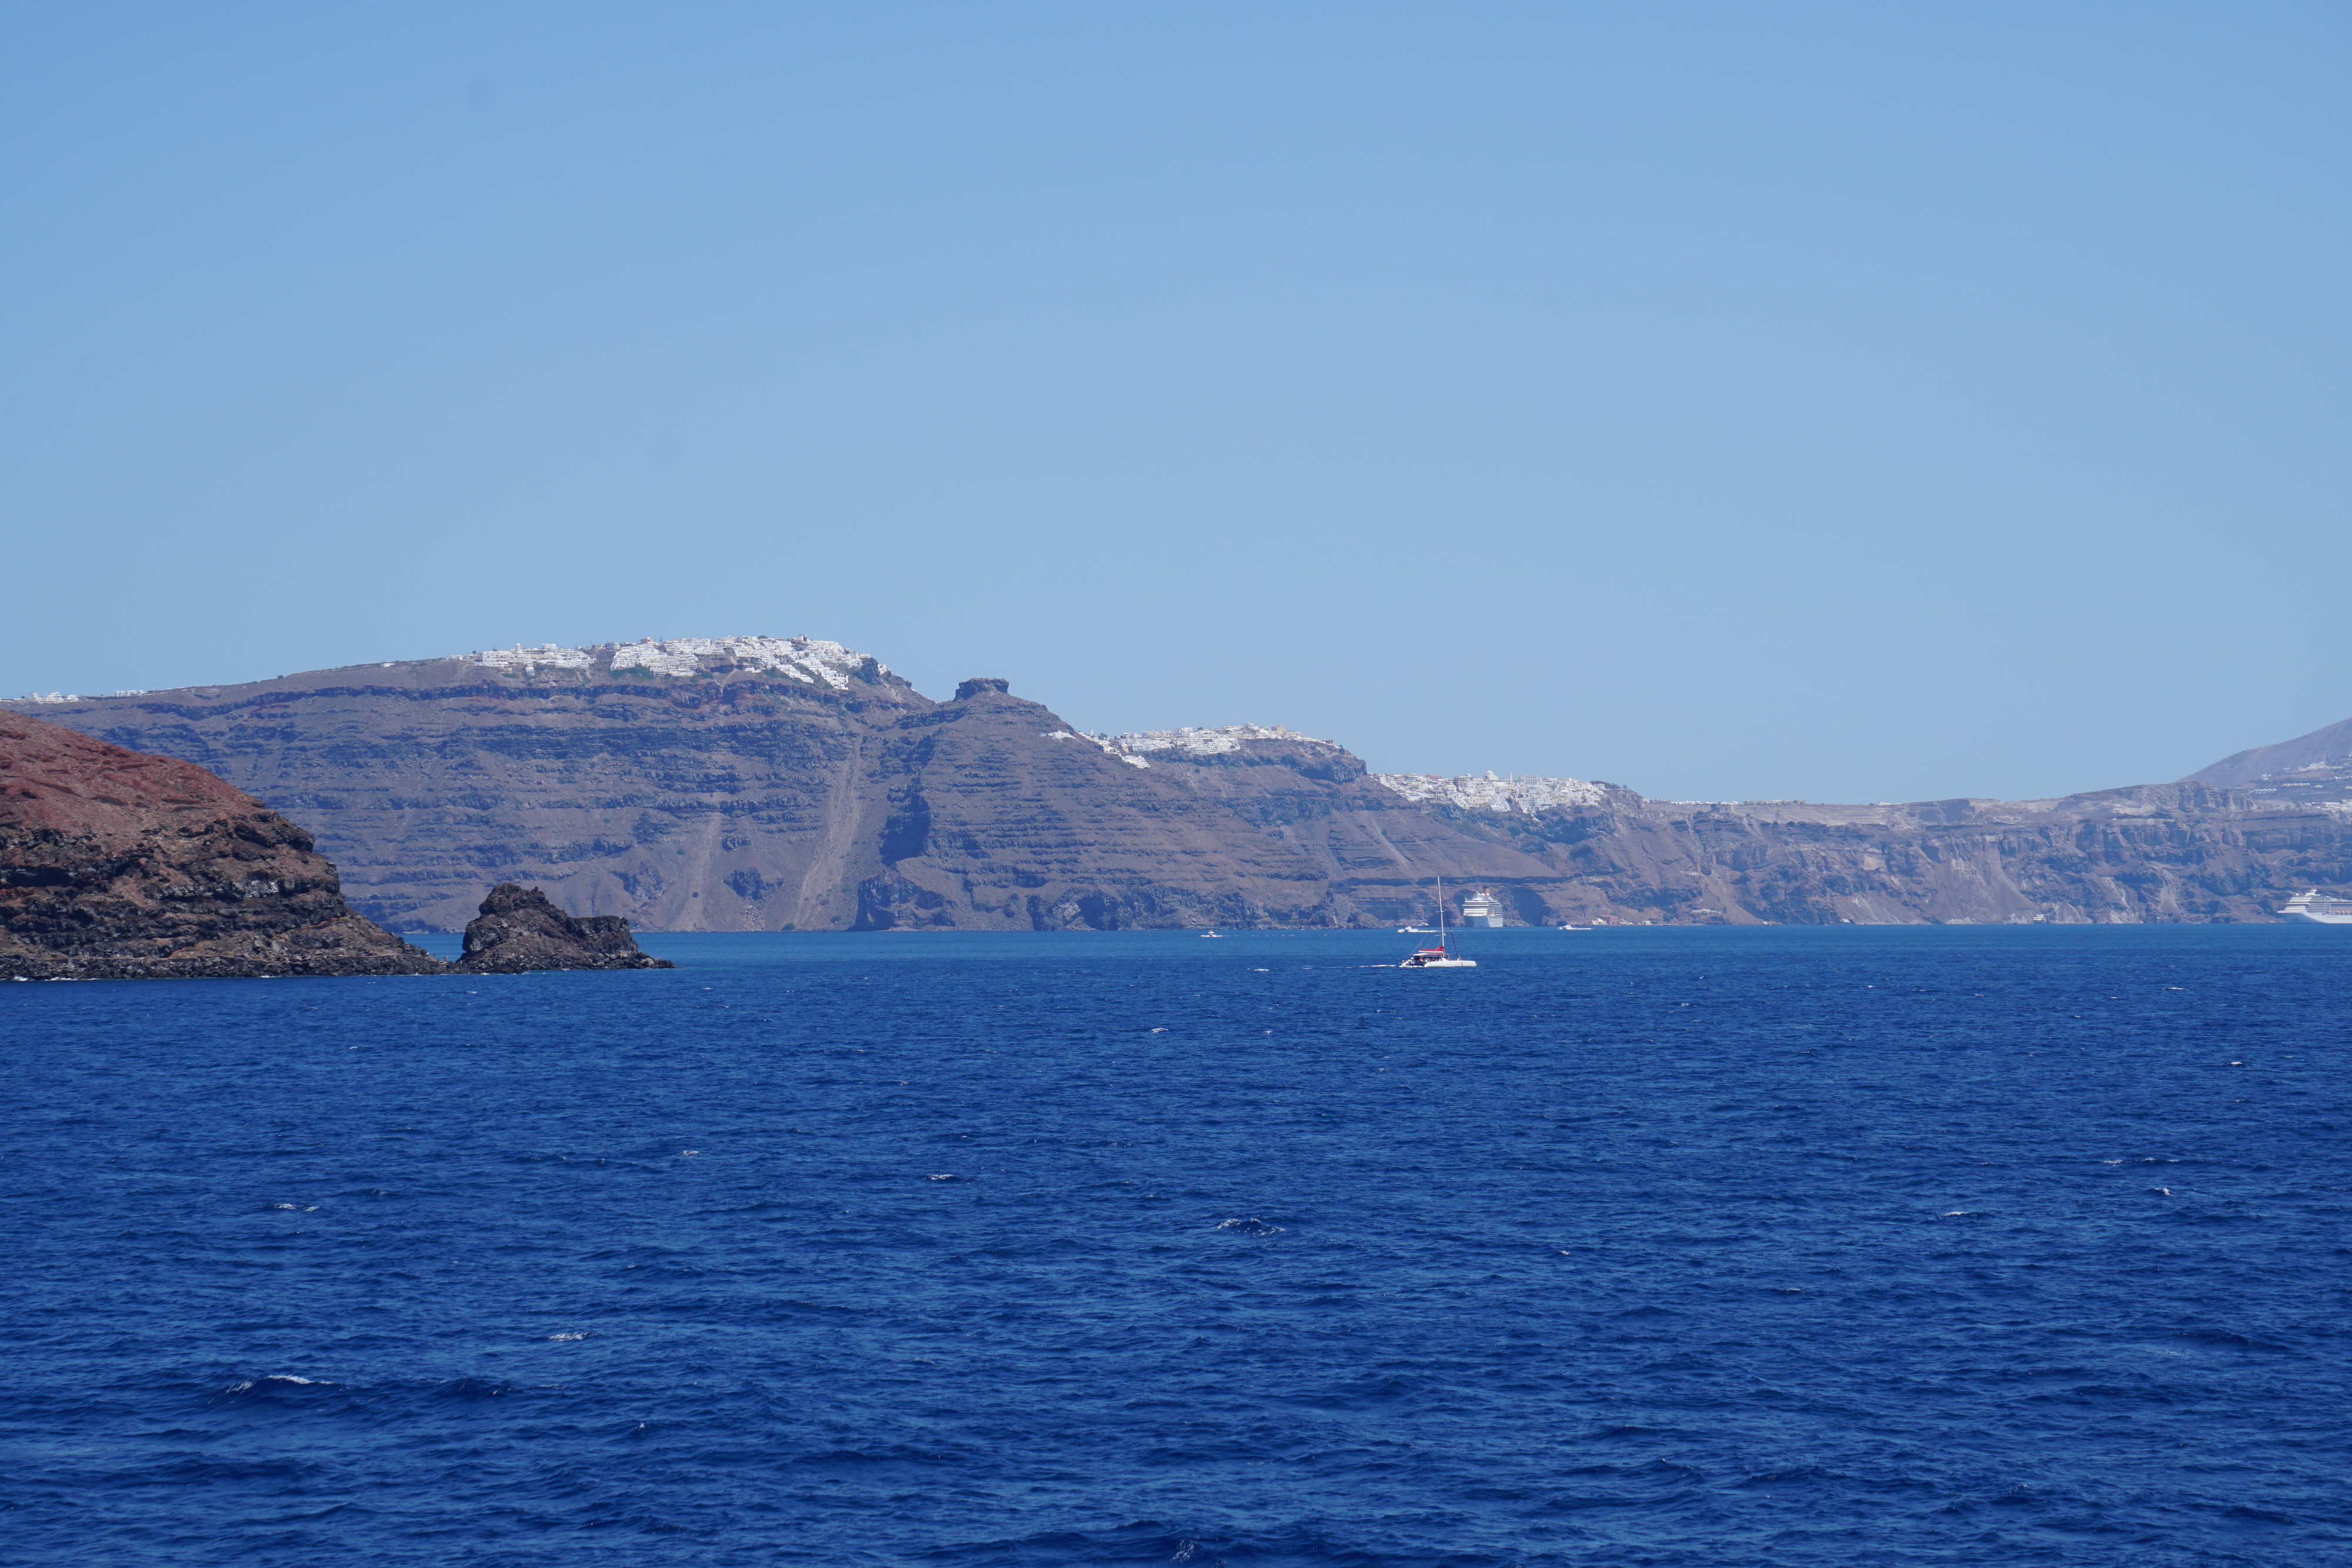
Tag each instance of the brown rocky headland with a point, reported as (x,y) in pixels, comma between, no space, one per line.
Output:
(115,865)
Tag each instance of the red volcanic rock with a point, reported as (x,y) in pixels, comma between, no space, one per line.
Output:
(119,865)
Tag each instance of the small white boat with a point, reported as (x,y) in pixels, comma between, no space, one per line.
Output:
(1417,931)
(1213,934)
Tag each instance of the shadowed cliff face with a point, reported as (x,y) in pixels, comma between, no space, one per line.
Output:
(994,816)
(752,784)
(1379,854)
(119,865)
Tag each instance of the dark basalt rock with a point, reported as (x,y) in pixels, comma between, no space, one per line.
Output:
(519,931)
(978,684)
(117,865)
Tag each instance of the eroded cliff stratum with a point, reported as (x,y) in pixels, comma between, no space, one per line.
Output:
(756,783)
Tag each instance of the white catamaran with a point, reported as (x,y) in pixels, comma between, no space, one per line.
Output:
(1442,955)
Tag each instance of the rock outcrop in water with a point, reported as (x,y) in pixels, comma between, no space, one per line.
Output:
(519,931)
(117,865)
(755,783)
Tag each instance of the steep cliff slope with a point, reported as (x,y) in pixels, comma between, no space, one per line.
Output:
(764,784)
(1380,851)
(690,785)
(997,816)
(114,864)
(755,783)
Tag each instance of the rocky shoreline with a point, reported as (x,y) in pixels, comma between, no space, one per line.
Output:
(116,864)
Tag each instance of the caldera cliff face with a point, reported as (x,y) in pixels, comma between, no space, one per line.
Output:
(762,783)
(747,784)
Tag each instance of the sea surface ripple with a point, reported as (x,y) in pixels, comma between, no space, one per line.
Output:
(1704,1248)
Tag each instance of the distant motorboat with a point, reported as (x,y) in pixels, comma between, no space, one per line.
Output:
(1417,931)
(1213,934)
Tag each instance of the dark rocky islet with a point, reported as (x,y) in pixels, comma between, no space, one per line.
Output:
(519,931)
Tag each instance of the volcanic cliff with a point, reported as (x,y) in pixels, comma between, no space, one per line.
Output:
(756,783)
(759,784)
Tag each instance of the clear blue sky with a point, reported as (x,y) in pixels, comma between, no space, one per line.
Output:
(1851,402)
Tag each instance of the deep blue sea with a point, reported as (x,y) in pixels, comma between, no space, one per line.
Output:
(1708,1248)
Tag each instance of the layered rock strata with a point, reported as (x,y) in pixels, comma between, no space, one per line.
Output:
(119,865)
(2148,853)
(644,779)
(757,783)
(733,790)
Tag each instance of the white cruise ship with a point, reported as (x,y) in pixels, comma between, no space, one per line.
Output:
(2320,911)
(1482,909)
